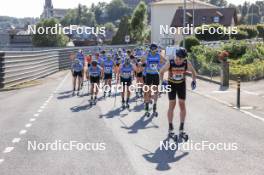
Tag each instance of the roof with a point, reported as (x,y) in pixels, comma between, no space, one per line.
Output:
(205,16)
(180,2)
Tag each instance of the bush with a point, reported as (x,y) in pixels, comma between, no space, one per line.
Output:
(207,36)
(240,35)
(49,40)
(190,42)
(251,30)
(248,72)
(235,49)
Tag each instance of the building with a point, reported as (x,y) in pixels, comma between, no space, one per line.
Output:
(4,38)
(162,14)
(50,12)
(133,3)
(224,16)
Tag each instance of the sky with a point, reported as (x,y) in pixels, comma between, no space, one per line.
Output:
(34,8)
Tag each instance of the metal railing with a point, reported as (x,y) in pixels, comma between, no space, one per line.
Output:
(18,67)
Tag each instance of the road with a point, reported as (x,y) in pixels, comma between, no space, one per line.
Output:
(47,113)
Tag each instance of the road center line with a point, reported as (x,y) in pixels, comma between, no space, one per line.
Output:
(8,149)
(22,132)
(16,140)
(28,125)
(1,161)
(32,119)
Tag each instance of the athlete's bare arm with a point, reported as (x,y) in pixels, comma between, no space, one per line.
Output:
(192,70)
(164,69)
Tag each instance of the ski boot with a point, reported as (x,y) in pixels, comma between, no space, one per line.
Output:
(183,135)
(95,100)
(123,105)
(127,105)
(172,135)
(104,94)
(91,102)
(147,114)
(155,113)
(73,93)
(109,94)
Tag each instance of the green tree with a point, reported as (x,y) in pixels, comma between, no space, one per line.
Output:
(123,30)
(139,22)
(49,40)
(219,3)
(115,9)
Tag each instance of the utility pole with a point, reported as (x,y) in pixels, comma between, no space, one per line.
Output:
(184,20)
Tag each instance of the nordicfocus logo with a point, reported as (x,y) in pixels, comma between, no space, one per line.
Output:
(133,88)
(198,146)
(58,145)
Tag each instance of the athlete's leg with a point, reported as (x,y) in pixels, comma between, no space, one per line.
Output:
(182,113)
(172,105)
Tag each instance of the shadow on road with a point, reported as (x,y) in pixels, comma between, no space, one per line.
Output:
(163,157)
(113,113)
(140,124)
(64,95)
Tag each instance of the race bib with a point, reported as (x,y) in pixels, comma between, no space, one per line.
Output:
(126,75)
(108,69)
(178,77)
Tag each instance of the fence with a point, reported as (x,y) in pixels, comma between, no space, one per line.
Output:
(17,67)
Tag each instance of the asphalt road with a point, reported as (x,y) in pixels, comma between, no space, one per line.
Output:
(48,113)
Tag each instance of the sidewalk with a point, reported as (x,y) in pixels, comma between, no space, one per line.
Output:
(252,95)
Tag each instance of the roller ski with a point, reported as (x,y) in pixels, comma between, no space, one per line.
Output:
(183,136)
(155,113)
(109,94)
(173,136)
(147,114)
(104,95)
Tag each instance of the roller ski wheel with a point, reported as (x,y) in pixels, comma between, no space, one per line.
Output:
(184,136)
(155,114)
(147,114)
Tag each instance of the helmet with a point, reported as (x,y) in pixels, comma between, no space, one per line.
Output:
(153,46)
(94,63)
(103,52)
(109,55)
(181,52)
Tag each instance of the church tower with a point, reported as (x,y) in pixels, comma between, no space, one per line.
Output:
(48,9)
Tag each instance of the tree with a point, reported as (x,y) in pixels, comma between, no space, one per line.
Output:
(79,16)
(219,3)
(49,40)
(123,30)
(260,28)
(139,22)
(99,11)
(252,19)
(115,9)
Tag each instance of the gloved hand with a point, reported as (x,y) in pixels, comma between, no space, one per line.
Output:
(164,83)
(193,84)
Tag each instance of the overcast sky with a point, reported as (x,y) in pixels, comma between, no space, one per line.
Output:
(34,8)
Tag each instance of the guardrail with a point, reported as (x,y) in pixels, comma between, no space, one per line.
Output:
(218,43)
(18,67)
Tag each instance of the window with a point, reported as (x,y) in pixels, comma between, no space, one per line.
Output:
(204,19)
(216,19)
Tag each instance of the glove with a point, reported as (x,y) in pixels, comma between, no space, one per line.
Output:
(164,83)
(193,85)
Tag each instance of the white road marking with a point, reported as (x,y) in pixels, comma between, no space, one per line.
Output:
(251,93)
(22,132)
(8,149)
(220,92)
(42,107)
(32,119)
(36,115)
(253,115)
(1,161)
(16,140)
(40,110)
(247,107)
(28,125)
